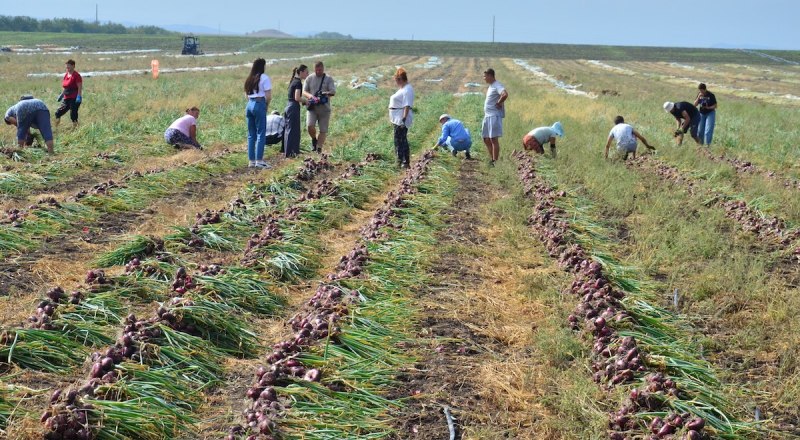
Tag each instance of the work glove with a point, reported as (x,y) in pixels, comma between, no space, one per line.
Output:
(78,99)
(678,133)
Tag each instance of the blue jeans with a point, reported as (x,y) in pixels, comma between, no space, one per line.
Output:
(458,144)
(256,129)
(706,129)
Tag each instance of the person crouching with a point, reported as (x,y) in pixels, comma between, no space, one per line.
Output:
(536,138)
(182,133)
(626,138)
(454,136)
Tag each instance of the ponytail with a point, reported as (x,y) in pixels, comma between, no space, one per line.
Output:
(298,69)
(294,74)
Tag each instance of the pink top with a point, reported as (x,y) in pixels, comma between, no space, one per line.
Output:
(184,124)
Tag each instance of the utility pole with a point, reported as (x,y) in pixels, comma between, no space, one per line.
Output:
(96,13)
(492,28)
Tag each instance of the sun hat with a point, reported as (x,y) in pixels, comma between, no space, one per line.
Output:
(668,106)
(444,116)
(558,129)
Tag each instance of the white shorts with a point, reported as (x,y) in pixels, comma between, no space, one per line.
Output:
(492,127)
(627,147)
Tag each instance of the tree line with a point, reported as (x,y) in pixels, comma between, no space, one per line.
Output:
(72,25)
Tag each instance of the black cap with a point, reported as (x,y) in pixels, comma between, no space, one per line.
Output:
(489,71)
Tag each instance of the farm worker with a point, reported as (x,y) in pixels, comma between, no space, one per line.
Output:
(258,89)
(688,119)
(494,112)
(706,104)
(323,88)
(30,113)
(291,135)
(536,138)
(454,136)
(71,97)
(275,125)
(401,115)
(182,133)
(626,138)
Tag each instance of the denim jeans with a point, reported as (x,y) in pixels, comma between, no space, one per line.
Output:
(256,129)
(458,145)
(706,129)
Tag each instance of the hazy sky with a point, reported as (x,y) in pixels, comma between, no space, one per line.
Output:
(708,23)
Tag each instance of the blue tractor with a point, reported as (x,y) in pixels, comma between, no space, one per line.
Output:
(190,46)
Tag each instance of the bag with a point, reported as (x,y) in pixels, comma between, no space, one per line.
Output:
(320,98)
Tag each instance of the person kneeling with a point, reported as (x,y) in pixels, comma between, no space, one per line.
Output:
(454,136)
(183,131)
(536,138)
(626,138)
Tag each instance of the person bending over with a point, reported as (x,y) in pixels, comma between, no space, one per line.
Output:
(688,119)
(30,113)
(454,136)
(182,133)
(536,138)
(626,138)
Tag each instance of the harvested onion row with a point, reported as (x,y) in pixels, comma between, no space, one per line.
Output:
(773,230)
(747,167)
(318,321)
(616,360)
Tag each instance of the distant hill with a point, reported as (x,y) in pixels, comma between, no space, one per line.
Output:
(331,36)
(269,33)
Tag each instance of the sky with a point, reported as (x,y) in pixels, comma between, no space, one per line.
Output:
(764,24)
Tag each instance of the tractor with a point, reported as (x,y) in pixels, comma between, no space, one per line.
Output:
(190,46)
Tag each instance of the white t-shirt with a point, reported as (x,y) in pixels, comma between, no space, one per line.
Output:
(184,123)
(492,96)
(264,85)
(623,134)
(402,98)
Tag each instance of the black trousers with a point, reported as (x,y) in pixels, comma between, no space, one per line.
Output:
(291,134)
(401,144)
(69,105)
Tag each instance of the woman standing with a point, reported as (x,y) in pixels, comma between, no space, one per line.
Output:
(73,89)
(258,89)
(402,116)
(291,140)
(183,131)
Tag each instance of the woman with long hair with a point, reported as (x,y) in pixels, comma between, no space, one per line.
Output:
(258,89)
(402,116)
(296,98)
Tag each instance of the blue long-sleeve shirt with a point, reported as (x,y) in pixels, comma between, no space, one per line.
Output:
(454,129)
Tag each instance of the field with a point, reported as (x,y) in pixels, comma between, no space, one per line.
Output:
(149,293)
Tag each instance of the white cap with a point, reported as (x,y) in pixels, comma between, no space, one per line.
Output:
(668,106)
(444,116)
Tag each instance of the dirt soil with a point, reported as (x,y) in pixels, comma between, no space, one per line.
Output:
(474,330)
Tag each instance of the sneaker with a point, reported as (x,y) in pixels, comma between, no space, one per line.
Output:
(455,153)
(491,163)
(313,144)
(251,164)
(406,165)
(262,165)
(468,156)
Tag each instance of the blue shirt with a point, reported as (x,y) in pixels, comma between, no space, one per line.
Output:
(454,129)
(25,111)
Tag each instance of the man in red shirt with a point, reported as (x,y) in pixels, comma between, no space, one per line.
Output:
(73,86)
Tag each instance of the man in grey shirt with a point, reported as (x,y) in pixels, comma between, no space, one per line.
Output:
(494,112)
(323,88)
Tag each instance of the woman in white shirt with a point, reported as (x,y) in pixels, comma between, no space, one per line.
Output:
(258,89)
(402,116)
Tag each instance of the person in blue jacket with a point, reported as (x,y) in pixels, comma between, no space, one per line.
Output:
(454,136)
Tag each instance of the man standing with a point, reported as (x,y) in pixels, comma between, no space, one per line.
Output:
(323,88)
(454,136)
(494,112)
(707,105)
(688,118)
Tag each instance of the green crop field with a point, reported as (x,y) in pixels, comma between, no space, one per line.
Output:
(154,293)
